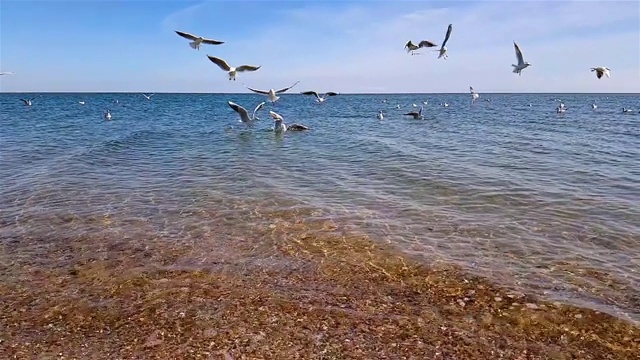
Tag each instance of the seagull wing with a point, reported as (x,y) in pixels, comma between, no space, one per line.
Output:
(244,114)
(257,109)
(426,43)
(420,112)
(186,35)
(285,89)
(412,113)
(256,90)
(25,101)
(311,93)
(221,63)
(471,90)
(446,37)
(247,68)
(518,54)
(212,42)
(331,93)
(276,116)
(409,45)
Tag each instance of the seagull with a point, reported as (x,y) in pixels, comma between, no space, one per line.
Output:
(416,114)
(198,40)
(517,69)
(148,96)
(626,111)
(232,71)
(411,47)
(594,106)
(443,48)
(272,94)
(6,73)
(561,108)
(28,102)
(81,102)
(280,127)
(474,95)
(107,115)
(601,70)
(380,116)
(320,99)
(446,104)
(244,114)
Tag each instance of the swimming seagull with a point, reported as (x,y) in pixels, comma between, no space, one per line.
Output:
(443,48)
(6,73)
(81,102)
(107,115)
(320,99)
(561,108)
(198,40)
(232,70)
(601,70)
(517,69)
(474,95)
(380,116)
(411,47)
(272,94)
(416,114)
(280,127)
(244,114)
(28,102)
(626,111)
(148,96)
(594,106)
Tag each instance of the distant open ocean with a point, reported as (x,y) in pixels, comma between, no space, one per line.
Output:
(548,203)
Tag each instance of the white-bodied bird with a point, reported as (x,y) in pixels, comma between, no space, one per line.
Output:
(474,95)
(416,114)
(411,47)
(244,114)
(148,97)
(443,47)
(272,94)
(280,127)
(601,70)
(231,70)
(517,69)
(320,99)
(198,40)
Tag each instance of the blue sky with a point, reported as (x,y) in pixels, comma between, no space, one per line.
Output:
(344,46)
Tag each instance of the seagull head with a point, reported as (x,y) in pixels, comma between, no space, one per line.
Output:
(527,63)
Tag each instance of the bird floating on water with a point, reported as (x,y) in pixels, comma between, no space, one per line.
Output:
(81,102)
(107,115)
(198,40)
(28,102)
(380,116)
(416,114)
(474,95)
(601,70)
(231,70)
(594,106)
(320,99)
(517,69)
(411,47)
(244,114)
(272,94)
(626,111)
(443,47)
(561,108)
(148,97)
(280,127)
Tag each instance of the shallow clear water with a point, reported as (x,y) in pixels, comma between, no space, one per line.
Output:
(546,202)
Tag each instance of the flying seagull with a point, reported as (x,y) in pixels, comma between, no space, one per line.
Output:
(148,96)
(601,70)
(319,98)
(416,114)
(517,69)
(232,70)
(28,102)
(411,47)
(244,114)
(198,40)
(443,48)
(280,127)
(474,95)
(272,94)
(6,73)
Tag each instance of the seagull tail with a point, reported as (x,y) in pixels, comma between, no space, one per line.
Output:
(193,45)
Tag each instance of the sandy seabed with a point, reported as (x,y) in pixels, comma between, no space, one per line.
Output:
(338,297)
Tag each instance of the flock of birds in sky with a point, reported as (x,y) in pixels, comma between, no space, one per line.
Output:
(272,95)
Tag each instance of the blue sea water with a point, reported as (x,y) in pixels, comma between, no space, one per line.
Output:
(507,188)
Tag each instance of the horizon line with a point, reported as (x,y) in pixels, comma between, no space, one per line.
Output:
(340,93)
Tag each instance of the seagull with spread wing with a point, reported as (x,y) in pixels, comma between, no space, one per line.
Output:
(601,70)
(280,127)
(320,99)
(148,97)
(6,73)
(411,47)
(474,95)
(443,47)
(28,102)
(196,41)
(517,69)
(417,115)
(244,114)
(271,93)
(231,70)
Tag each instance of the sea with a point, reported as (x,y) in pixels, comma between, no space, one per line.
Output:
(506,188)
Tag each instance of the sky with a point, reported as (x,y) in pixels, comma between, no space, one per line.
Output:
(342,46)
